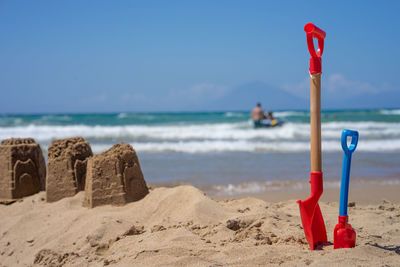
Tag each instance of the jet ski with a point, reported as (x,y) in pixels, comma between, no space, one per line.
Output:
(267,123)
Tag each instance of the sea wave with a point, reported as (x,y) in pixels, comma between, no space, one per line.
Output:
(235,114)
(284,114)
(221,131)
(51,118)
(267,186)
(197,147)
(279,186)
(203,138)
(390,111)
(247,146)
(122,115)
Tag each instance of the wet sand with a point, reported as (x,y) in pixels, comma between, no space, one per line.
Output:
(367,194)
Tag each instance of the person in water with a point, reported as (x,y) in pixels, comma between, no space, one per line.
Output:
(261,119)
(269,115)
(257,113)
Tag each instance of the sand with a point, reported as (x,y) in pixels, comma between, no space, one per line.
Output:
(22,168)
(181,226)
(66,167)
(114,177)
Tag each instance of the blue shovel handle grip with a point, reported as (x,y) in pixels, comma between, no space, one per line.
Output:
(344,185)
(354,140)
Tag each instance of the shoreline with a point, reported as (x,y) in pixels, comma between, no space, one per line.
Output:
(365,195)
(359,193)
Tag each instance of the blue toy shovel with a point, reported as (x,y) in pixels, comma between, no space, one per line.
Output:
(344,235)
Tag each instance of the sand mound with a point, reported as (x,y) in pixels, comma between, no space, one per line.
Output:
(181,226)
(22,168)
(66,167)
(114,177)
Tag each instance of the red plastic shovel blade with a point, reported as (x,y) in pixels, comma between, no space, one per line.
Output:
(313,224)
(311,216)
(344,235)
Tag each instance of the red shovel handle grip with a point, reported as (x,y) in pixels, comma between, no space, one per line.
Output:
(315,32)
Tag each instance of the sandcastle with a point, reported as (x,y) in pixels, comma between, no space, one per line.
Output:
(66,167)
(22,168)
(114,177)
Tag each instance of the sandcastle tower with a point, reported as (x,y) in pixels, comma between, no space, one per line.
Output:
(114,177)
(22,168)
(66,167)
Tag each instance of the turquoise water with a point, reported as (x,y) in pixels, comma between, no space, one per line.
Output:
(207,132)
(110,119)
(222,151)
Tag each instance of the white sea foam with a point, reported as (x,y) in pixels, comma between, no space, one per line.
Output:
(238,131)
(222,131)
(234,114)
(203,138)
(18,121)
(122,115)
(55,117)
(268,186)
(283,114)
(279,186)
(246,146)
(390,111)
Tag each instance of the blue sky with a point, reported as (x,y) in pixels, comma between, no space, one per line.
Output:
(111,56)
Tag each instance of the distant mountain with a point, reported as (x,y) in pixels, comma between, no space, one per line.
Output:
(245,97)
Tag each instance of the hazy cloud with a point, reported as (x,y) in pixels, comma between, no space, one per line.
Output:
(201,91)
(134,98)
(339,85)
(100,98)
(297,89)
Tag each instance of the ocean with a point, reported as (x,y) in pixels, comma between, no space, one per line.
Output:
(222,153)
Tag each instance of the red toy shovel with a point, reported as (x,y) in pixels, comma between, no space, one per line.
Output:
(311,216)
(344,235)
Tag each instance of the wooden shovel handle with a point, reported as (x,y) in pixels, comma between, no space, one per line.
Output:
(315,121)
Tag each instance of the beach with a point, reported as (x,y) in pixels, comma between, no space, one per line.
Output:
(182,226)
(221,193)
(199,133)
(222,154)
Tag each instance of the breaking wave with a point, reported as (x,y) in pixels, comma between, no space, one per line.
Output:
(216,137)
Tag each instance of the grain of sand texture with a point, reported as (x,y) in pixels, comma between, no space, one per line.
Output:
(181,226)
